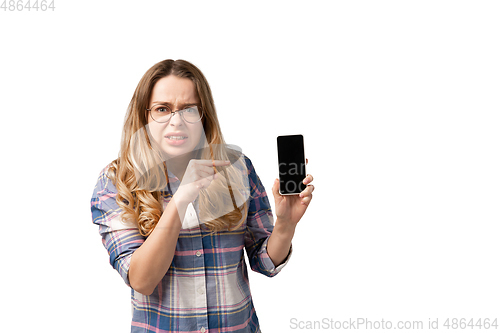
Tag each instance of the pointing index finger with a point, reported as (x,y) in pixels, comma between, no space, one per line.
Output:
(214,162)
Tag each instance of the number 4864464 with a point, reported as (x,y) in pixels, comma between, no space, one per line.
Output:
(20,5)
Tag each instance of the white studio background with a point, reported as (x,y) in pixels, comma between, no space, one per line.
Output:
(399,105)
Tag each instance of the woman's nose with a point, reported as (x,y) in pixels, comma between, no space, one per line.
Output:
(176,119)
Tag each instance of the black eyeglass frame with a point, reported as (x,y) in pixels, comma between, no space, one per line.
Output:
(181,113)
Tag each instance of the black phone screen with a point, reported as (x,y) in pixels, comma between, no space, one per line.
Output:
(292,164)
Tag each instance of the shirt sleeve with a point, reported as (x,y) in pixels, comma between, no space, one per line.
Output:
(260,225)
(120,238)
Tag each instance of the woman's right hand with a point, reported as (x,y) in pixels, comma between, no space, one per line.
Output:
(199,175)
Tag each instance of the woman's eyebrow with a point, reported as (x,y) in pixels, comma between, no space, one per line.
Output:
(167,103)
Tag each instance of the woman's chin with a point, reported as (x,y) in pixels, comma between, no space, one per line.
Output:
(177,152)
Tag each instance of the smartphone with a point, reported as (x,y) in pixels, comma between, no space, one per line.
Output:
(292,164)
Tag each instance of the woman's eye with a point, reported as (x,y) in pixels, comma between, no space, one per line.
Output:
(191,110)
(162,109)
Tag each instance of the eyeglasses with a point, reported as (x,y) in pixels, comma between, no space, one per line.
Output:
(162,113)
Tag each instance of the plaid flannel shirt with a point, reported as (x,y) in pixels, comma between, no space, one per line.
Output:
(206,288)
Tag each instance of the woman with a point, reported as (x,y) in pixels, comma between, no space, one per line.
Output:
(178,206)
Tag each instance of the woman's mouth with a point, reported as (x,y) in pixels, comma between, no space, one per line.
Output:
(176,140)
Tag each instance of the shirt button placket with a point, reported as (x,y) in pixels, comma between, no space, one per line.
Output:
(199,281)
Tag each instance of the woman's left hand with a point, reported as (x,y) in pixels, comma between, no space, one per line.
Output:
(291,208)
(289,211)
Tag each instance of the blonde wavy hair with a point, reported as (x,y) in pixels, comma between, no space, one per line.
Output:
(140,174)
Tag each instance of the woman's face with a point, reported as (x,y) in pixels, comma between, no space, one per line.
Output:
(175,137)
